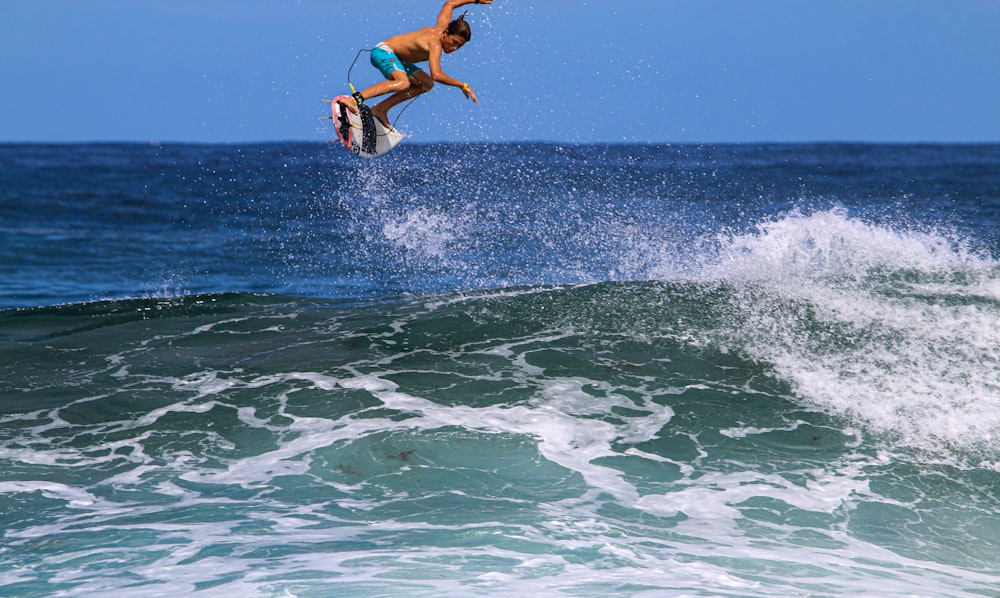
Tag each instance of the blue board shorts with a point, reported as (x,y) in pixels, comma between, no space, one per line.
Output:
(386,61)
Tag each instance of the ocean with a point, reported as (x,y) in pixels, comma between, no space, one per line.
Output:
(509,370)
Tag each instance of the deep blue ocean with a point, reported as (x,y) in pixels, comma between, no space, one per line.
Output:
(500,370)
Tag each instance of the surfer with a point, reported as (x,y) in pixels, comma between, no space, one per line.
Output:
(395,58)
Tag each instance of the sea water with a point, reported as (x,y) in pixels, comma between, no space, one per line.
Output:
(507,370)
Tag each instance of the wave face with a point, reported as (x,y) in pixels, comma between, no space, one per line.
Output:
(502,369)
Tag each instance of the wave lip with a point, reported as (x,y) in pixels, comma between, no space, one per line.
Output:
(896,328)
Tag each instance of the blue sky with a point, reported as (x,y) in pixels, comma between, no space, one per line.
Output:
(555,70)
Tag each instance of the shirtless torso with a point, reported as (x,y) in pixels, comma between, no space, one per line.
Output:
(426,45)
(415,46)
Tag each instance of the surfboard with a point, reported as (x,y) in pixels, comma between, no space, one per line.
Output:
(362,133)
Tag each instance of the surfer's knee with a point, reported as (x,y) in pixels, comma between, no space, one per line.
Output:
(398,81)
(399,85)
(422,84)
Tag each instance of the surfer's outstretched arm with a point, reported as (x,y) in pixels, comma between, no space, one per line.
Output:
(452,38)
(449,7)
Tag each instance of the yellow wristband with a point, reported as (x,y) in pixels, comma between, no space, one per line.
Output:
(465,86)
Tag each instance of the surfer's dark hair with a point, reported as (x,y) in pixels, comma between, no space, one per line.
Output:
(460,28)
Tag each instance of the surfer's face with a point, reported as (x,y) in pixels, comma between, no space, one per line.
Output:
(450,43)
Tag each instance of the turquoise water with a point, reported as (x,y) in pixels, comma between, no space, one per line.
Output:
(275,383)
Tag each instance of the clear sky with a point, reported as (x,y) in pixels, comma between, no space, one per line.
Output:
(554,70)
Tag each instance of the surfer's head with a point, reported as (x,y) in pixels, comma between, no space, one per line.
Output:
(456,35)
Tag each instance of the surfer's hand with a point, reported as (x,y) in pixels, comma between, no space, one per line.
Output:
(351,103)
(469,93)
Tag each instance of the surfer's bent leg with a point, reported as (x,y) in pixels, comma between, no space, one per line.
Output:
(396,72)
(419,83)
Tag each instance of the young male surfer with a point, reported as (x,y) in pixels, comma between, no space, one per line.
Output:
(395,58)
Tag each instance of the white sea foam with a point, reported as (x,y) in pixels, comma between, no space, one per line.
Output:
(895,328)
(74,497)
(256,543)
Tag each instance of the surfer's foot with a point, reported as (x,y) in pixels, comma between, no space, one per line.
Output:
(382,117)
(350,102)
